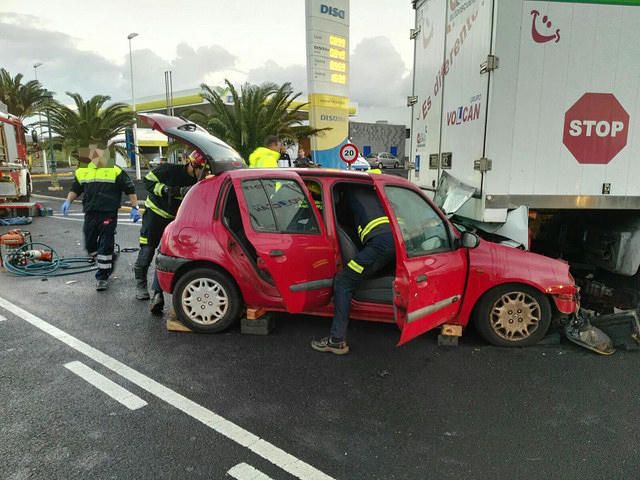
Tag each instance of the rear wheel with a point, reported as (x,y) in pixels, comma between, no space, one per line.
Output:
(396,165)
(513,316)
(379,166)
(207,300)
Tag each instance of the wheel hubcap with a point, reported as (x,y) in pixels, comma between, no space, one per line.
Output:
(515,316)
(205,301)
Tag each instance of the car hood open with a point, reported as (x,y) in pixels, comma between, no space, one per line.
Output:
(220,156)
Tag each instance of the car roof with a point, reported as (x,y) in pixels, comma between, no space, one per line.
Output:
(319,172)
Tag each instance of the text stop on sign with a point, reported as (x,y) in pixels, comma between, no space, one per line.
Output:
(596,128)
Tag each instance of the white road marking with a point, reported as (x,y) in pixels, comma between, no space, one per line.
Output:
(266,450)
(115,391)
(242,471)
(3,319)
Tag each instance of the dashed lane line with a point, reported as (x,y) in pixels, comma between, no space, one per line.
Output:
(115,391)
(242,471)
(233,432)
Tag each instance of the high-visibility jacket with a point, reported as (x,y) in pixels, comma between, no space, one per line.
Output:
(102,187)
(159,182)
(263,157)
(368,213)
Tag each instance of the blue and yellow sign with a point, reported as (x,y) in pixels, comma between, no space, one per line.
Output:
(328,77)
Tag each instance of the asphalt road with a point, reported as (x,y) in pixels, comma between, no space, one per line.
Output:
(242,406)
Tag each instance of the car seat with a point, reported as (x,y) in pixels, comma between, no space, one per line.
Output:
(378,289)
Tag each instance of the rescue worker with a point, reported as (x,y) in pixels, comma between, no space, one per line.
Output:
(268,155)
(378,252)
(166,186)
(102,186)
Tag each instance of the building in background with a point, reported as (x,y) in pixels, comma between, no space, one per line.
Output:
(379,137)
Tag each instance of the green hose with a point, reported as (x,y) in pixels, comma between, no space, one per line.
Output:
(57,267)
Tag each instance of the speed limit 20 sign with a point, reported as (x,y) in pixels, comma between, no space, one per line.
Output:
(349,153)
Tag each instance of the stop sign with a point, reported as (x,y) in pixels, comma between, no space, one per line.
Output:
(595,128)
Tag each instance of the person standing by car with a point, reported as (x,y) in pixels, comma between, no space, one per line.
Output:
(166,185)
(285,159)
(379,251)
(268,155)
(303,159)
(102,187)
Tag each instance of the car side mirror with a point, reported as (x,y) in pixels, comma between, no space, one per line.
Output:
(469,240)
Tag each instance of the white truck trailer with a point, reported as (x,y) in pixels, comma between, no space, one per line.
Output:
(536,106)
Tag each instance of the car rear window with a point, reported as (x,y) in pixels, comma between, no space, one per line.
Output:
(278,205)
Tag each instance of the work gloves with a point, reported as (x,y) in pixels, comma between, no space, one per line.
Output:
(134,214)
(65,207)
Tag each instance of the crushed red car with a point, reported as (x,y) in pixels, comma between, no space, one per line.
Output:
(275,238)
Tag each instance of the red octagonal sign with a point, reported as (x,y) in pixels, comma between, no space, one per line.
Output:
(595,128)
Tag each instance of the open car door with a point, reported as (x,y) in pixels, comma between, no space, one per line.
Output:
(220,156)
(430,271)
(289,236)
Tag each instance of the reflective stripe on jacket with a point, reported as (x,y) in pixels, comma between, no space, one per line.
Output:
(263,157)
(160,199)
(368,213)
(102,187)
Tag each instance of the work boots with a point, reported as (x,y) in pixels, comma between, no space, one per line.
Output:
(156,306)
(141,283)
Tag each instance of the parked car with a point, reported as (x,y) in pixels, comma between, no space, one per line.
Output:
(383,160)
(273,239)
(360,164)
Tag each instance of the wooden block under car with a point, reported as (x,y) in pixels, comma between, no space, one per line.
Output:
(449,335)
(262,325)
(174,325)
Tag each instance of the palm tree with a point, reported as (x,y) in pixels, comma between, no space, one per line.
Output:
(89,123)
(22,100)
(256,112)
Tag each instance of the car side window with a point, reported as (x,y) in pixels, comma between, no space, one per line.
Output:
(278,205)
(423,230)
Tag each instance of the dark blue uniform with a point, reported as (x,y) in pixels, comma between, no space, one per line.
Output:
(379,251)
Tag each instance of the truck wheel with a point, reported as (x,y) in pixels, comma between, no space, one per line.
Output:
(513,316)
(27,197)
(207,300)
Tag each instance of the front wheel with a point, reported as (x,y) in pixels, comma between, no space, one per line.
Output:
(379,166)
(513,316)
(207,300)
(396,165)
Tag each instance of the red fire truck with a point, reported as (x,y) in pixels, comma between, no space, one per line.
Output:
(15,178)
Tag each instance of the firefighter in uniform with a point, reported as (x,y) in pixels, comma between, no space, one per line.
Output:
(378,252)
(102,187)
(166,186)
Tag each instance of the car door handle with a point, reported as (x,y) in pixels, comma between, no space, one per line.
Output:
(276,253)
(421,278)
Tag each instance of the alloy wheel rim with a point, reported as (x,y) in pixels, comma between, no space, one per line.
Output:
(515,316)
(205,301)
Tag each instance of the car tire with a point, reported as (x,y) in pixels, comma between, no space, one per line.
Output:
(379,166)
(207,300)
(513,315)
(396,165)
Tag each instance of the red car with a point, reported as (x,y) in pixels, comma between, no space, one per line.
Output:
(275,238)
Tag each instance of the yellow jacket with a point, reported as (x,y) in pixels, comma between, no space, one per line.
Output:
(263,157)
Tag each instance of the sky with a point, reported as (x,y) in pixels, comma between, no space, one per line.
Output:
(83,47)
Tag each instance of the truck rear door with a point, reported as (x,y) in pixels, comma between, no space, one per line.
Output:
(452,85)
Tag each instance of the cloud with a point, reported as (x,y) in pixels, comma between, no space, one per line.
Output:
(272,72)
(378,75)
(67,68)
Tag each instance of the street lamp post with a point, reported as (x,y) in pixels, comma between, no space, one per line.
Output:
(133,104)
(44,154)
(55,185)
